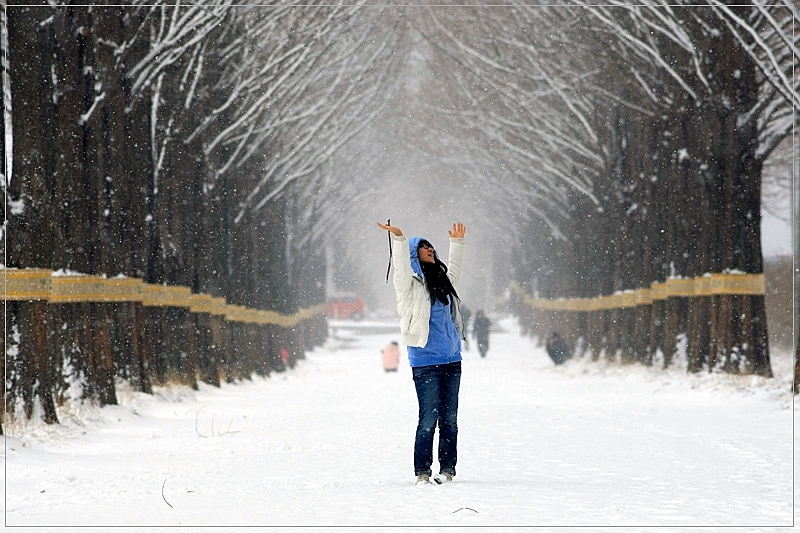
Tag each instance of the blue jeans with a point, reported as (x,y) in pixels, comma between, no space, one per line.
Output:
(437,394)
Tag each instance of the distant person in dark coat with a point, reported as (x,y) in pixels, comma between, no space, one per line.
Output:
(480,330)
(557,349)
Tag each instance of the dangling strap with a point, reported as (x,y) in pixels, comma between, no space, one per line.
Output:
(458,316)
(388,268)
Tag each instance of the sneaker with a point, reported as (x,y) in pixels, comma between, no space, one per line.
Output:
(423,479)
(443,477)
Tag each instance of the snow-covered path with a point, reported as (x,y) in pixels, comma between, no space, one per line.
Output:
(330,443)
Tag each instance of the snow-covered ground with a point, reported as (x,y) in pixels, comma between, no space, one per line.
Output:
(330,444)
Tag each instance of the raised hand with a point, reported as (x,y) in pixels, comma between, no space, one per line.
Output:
(393,229)
(458,231)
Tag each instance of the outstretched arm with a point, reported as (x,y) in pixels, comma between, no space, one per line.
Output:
(455,262)
(393,229)
(401,260)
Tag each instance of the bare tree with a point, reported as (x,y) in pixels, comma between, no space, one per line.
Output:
(157,125)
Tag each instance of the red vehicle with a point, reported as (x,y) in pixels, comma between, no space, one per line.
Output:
(346,306)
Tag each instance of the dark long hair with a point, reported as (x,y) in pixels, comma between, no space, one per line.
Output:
(439,285)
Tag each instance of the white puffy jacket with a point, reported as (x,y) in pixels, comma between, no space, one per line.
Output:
(413,299)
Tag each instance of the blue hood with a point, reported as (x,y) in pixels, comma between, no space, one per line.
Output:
(413,245)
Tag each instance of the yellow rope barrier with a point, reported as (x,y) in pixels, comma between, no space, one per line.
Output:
(708,285)
(28,284)
(73,289)
(41,284)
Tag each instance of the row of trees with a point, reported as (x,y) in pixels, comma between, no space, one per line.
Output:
(202,145)
(180,144)
(634,136)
